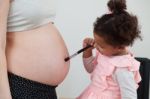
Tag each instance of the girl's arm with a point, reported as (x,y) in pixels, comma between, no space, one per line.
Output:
(126,83)
(4,85)
(88,64)
(88,55)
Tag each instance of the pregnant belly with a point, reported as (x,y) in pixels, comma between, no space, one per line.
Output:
(38,56)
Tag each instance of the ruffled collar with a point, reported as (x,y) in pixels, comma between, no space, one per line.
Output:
(127,60)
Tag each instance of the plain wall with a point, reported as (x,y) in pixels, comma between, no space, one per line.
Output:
(75,18)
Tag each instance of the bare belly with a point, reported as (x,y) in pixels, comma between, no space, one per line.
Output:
(38,55)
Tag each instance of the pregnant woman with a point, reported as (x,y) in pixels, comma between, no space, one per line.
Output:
(32,51)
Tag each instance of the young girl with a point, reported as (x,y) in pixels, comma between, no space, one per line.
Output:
(114,70)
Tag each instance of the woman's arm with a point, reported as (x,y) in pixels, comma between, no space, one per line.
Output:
(4,85)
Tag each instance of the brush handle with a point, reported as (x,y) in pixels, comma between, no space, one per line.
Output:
(78,52)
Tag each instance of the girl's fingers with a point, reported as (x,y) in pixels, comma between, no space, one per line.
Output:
(88,41)
(84,44)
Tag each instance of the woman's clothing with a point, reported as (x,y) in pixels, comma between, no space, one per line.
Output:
(106,77)
(30,14)
(27,15)
(23,88)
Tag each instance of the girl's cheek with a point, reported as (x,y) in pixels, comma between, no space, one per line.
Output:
(99,49)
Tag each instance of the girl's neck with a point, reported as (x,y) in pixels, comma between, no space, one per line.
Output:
(122,52)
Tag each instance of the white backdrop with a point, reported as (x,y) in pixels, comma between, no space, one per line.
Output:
(75,18)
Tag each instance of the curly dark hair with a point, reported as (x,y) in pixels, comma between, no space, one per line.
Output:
(118,28)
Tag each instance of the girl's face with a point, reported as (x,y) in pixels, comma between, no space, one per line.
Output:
(105,48)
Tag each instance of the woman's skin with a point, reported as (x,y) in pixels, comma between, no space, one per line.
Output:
(36,54)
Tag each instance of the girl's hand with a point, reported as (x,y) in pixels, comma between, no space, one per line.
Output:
(88,41)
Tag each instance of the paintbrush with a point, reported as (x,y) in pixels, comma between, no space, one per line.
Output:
(78,52)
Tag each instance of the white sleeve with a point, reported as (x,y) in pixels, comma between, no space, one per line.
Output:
(88,60)
(88,64)
(126,83)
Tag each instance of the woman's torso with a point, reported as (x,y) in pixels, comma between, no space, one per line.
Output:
(37,54)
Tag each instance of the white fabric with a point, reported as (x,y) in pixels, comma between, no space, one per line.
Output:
(88,61)
(127,83)
(29,14)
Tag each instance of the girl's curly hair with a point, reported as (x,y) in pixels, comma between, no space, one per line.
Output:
(118,28)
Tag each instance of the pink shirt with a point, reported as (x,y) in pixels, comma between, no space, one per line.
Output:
(104,85)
